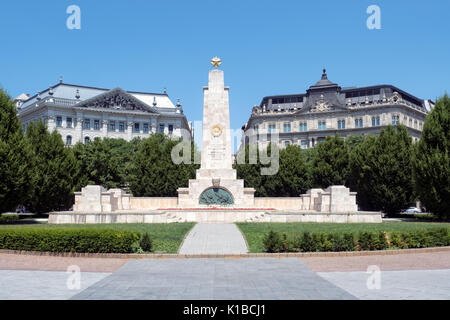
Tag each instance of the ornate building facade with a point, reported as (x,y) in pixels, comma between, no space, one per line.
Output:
(326,109)
(81,113)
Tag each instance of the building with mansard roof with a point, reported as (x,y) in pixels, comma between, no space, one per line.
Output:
(326,109)
(82,113)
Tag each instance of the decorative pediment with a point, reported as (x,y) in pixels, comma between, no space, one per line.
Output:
(116,99)
(321,105)
(395,98)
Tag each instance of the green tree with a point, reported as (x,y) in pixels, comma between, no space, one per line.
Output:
(153,173)
(15,158)
(248,167)
(293,176)
(381,171)
(291,179)
(54,170)
(362,162)
(331,163)
(432,162)
(353,141)
(105,161)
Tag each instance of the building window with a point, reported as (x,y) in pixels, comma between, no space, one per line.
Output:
(86,124)
(286,143)
(322,125)
(415,124)
(170,129)
(86,140)
(112,126)
(69,122)
(272,128)
(121,126)
(146,128)
(256,131)
(137,127)
(303,127)
(341,124)
(59,121)
(287,127)
(395,119)
(68,140)
(375,121)
(359,123)
(161,127)
(96,124)
(304,144)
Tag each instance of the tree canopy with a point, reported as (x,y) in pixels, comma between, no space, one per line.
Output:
(432,162)
(15,158)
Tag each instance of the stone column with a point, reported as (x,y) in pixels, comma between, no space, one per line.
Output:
(79,131)
(216,139)
(105,128)
(129,130)
(51,123)
(153,125)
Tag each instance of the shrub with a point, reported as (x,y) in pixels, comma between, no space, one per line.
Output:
(272,242)
(323,242)
(372,241)
(343,242)
(307,244)
(68,240)
(8,218)
(420,239)
(146,243)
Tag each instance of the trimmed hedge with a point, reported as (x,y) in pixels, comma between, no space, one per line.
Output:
(8,218)
(364,241)
(69,240)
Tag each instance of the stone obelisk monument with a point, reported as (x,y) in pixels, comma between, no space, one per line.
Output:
(216,183)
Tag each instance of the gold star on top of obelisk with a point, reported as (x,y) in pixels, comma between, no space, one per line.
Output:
(216,62)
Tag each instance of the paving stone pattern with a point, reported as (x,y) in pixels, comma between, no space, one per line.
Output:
(208,279)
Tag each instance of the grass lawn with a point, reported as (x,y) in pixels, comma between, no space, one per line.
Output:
(254,232)
(167,237)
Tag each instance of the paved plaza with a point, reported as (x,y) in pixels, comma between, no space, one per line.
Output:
(403,276)
(220,238)
(223,279)
(43,285)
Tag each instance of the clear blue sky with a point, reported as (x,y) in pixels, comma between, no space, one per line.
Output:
(267,47)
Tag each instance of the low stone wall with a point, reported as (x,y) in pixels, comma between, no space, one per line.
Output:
(212,216)
(153,203)
(279,203)
(354,217)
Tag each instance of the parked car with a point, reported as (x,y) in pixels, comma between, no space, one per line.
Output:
(411,210)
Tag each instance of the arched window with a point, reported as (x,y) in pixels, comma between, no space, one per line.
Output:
(68,140)
(86,140)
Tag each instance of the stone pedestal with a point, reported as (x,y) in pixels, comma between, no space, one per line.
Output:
(91,199)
